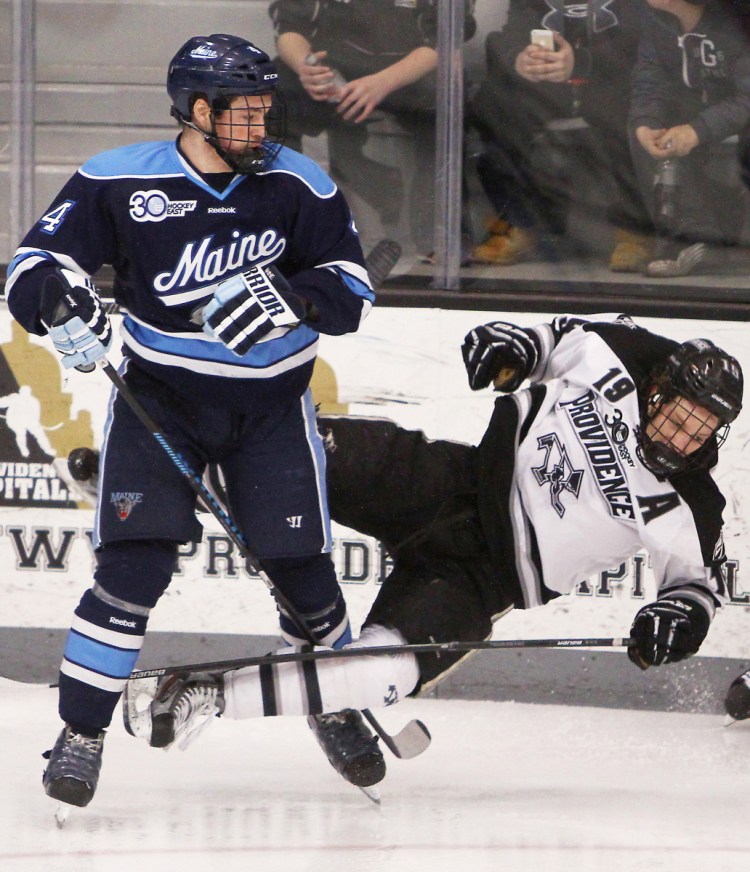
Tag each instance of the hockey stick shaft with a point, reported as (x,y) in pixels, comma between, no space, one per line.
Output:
(382,650)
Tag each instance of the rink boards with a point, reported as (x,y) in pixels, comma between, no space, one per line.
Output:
(404,364)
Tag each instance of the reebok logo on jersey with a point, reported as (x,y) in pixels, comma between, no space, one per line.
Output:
(156,206)
(605,465)
(124,503)
(221,210)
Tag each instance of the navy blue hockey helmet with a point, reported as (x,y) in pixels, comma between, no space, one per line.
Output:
(703,374)
(219,67)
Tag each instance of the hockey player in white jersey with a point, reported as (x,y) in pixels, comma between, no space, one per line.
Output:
(231,255)
(607,451)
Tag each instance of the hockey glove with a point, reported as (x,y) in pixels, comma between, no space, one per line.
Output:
(252,307)
(497,346)
(75,319)
(668,630)
(737,702)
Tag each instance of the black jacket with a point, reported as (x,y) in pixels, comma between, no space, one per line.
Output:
(605,41)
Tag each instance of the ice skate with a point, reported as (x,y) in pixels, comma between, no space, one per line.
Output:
(176,708)
(351,748)
(73,770)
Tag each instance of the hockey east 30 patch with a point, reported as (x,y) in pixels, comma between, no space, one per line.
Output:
(124,503)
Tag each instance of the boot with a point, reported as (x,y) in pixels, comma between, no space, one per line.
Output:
(508,248)
(351,748)
(73,770)
(632,251)
(676,257)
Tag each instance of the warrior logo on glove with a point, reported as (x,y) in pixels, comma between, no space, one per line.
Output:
(252,307)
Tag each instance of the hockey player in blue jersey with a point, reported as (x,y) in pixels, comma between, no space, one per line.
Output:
(231,254)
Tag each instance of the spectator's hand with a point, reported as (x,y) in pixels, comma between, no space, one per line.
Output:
(668,630)
(536,64)
(678,141)
(360,97)
(652,141)
(317,80)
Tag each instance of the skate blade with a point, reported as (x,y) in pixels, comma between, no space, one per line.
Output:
(61,814)
(372,793)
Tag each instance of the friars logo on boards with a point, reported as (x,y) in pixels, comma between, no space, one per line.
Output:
(36,427)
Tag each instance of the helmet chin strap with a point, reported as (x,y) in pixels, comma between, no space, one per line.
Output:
(252,160)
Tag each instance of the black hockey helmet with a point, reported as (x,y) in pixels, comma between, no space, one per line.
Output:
(219,67)
(701,373)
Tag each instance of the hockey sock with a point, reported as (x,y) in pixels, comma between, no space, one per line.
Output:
(310,585)
(101,650)
(329,625)
(311,688)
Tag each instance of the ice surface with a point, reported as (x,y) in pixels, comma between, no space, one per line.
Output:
(504,787)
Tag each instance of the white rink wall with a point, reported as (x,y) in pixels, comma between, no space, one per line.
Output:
(404,364)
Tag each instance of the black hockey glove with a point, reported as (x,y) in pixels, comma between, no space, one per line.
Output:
(252,307)
(498,346)
(74,316)
(668,630)
(737,701)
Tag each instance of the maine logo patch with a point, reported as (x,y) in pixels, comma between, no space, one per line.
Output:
(124,503)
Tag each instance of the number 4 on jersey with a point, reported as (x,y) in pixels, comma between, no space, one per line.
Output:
(53,219)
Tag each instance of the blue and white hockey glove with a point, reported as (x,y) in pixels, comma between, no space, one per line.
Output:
(668,630)
(252,307)
(74,316)
(495,347)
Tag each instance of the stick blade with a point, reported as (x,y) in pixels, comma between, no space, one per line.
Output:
(381,260)
(413,740)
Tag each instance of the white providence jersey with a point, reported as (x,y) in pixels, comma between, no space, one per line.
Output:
(581,500)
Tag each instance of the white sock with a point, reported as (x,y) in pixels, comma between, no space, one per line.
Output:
(312,687)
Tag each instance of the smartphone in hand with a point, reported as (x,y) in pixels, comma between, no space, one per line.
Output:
(543,38)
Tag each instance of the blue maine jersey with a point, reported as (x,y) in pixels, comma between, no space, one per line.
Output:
(171,238)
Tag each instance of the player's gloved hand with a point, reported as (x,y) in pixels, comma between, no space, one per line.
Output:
(74,316)
(252,307)
(737,701)
(668,630)
(497,346)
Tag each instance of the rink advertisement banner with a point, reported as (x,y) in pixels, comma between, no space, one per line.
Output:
(404,365)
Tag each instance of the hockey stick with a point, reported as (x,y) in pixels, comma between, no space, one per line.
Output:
(380,650)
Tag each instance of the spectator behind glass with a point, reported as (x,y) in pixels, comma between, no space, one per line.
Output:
(529,150)
(691,90)
(385,51)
